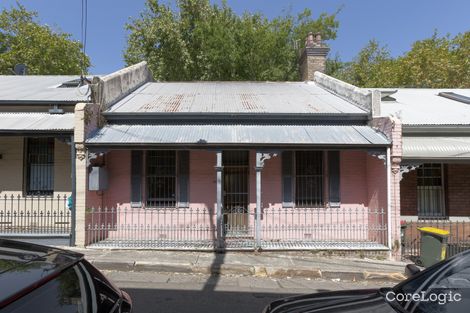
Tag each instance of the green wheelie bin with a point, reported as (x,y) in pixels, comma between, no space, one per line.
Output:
(433,245)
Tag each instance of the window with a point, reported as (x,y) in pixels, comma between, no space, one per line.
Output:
(308,178)
(430,191)
(161,178)
(39,163)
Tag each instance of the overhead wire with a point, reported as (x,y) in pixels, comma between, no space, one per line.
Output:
(83,29)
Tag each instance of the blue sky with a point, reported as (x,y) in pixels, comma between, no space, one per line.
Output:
(396,23)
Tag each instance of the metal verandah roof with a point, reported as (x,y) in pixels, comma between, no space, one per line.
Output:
(201,135)
(36,122)
(436,148)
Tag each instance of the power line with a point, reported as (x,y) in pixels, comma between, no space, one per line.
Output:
(84,26)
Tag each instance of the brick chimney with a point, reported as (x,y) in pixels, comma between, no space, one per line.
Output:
(313,56)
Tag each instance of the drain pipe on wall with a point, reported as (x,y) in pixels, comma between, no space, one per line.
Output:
(389,202)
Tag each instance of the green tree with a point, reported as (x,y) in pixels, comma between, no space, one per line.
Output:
(45,51)
(436,62)
(200,41)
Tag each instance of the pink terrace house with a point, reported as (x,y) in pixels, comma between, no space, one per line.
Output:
(239,165)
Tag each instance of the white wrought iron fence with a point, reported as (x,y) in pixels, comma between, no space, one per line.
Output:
(196,228)
(31,215)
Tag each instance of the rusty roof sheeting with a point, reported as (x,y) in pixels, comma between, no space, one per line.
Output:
(233,97)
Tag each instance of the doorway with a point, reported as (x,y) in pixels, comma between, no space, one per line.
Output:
(235,192)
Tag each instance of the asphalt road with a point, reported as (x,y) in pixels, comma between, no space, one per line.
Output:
(181,293)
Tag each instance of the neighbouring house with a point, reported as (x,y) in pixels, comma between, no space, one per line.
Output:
(37,155)
(435,166)
(239,165)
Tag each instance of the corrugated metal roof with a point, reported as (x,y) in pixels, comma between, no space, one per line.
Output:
(12,122)
(39,88)
(233,97)
(238,134)
(426,107)
(446,148)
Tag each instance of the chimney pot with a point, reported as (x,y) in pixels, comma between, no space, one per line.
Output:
(318,38)
(313,56)
(309,41)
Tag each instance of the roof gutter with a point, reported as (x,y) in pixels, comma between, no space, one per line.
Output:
(209,146)
(40,102)
(433,130)
(170,117)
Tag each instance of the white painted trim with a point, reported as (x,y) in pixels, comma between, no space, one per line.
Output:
(389,201)
(414,218)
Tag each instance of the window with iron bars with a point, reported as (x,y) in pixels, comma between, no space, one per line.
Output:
(309,178)
(39,166)
(160,177)
(430,191)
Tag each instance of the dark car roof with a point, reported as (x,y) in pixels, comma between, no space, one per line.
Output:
(24,266)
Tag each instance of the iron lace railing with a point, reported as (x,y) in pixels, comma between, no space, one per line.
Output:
(34,215)
(196,228)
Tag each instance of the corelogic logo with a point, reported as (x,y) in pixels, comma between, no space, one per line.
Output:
(440,298)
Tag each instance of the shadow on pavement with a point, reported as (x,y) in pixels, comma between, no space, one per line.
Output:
(200,301)
(214,271)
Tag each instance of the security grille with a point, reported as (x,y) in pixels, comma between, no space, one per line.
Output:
(430,191)
(39,166)
(236,171)
(308,178)
(161,178)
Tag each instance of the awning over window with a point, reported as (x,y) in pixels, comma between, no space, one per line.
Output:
(203,135)
(436,148)
(36,122)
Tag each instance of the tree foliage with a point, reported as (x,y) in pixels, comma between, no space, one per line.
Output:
(200,41)
(436,62)
(23,40)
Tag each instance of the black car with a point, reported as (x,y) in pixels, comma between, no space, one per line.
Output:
(443,287)
(36,278)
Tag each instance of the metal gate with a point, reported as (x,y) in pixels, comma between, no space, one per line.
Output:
(236,211)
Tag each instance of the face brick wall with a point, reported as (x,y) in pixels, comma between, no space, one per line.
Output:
(408,193)
(457,192)
(458,189)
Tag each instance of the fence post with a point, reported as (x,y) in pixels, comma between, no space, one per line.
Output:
(219,221)
(258,168)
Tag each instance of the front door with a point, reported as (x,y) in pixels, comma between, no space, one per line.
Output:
(235,182)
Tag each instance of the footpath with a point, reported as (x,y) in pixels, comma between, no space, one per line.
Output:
(262,264)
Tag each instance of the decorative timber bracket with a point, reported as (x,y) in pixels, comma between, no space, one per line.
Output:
(406,168)
(261,157)
(93,156)
(379,154)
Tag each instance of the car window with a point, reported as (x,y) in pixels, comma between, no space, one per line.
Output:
(449,291)
(108,297)
(64,294)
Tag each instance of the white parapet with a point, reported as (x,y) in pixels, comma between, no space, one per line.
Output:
(109,89)
(362,98)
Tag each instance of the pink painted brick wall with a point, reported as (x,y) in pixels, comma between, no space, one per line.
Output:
(360,175)
(202,179)
(392,128)
(353,179)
